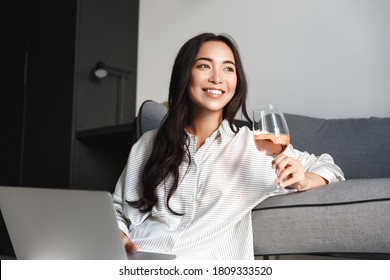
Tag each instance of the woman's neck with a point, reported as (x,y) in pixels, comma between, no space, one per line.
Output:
(203,125)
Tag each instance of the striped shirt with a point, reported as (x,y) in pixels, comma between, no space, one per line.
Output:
(226,179)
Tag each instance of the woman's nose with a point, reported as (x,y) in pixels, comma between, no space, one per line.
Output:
(215,77)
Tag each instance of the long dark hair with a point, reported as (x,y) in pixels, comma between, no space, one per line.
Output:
(171,145)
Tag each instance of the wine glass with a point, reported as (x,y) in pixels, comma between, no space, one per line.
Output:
(271,135)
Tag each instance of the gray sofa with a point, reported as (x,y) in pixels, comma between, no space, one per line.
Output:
(347,219)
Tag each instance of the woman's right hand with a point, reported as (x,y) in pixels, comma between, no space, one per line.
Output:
(129,245)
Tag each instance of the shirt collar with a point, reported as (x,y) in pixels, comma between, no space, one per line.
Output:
(223,131)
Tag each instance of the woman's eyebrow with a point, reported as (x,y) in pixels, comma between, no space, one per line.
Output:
(210,60)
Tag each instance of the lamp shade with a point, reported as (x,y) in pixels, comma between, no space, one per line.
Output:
(100,70)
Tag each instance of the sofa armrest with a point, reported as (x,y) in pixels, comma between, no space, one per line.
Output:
(350,217)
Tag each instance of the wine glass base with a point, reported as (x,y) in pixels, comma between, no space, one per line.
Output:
(280,191)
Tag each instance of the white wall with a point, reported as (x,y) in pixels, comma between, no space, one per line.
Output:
(323,58)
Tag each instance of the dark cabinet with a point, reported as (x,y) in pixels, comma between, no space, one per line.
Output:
(60,126)
(58,120)
(37,93)
(103,109)
(107,31)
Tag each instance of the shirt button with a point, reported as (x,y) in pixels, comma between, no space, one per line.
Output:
(181,227)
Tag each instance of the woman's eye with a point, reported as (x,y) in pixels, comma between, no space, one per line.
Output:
(229,69)
(203,66)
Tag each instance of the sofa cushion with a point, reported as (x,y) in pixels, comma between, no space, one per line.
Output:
(344,217)
(359,146)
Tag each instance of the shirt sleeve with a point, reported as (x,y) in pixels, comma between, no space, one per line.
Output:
(118,200)
(128,186)
(323,165)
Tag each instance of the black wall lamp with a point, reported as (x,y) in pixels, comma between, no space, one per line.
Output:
(102,71)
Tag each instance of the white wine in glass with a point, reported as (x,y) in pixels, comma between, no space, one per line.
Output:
(270,130)
(270,133)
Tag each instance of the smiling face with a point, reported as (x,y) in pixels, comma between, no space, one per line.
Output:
(213,78)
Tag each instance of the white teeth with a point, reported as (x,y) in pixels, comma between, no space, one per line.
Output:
(214,91)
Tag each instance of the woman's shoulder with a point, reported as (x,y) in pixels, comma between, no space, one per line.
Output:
(145,141)
(241,133)
(239,126)
(244,130)
(149,135)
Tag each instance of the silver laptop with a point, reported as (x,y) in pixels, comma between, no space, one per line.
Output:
(64,224)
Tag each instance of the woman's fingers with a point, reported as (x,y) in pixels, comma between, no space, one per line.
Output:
(289,172)
(129,245)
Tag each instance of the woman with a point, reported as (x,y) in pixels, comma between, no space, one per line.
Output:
(189,187)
